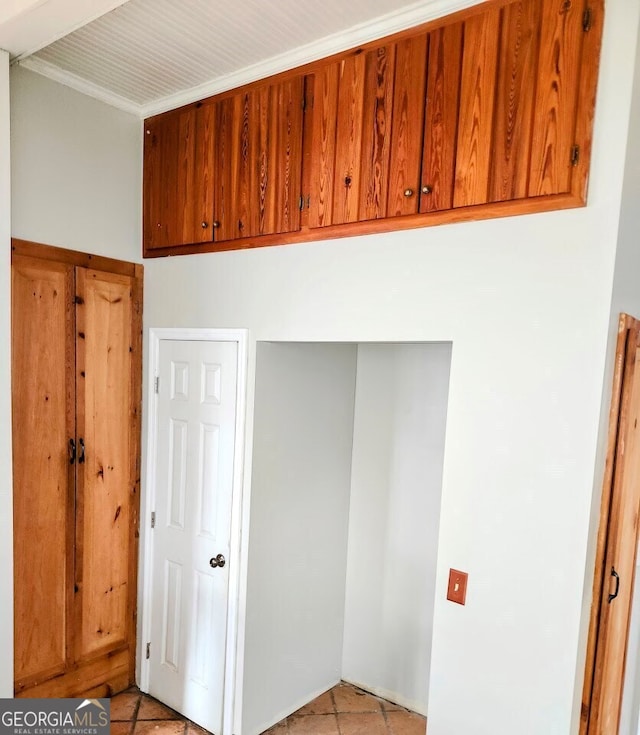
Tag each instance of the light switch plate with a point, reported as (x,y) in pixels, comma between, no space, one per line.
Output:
(457,589)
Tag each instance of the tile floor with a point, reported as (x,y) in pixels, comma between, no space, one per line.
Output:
(343,710)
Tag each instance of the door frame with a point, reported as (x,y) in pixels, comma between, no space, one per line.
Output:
(628,334)
(241,338)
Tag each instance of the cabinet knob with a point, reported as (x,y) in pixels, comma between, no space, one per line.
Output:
(205,225)
(216,224)
(426,189)
(408,192)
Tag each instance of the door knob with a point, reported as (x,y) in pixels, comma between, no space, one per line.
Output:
(217,561)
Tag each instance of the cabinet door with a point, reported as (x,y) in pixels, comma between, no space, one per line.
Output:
(501,105)
(368,112)
(106,487)
(259,161)
(43,422)
(179,152)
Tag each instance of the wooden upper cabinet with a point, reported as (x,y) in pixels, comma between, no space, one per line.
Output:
(179,177)
(368,111)
(489,111)
(501,103)
(258,161)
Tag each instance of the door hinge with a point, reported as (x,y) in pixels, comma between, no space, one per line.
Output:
(156,384)
(301,203)
(153,519)
(304,201)
(587,20)
(575,155)
(148,650)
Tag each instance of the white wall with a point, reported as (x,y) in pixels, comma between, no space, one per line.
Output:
(76,169)
(76,182)
(396,486)
(6,494)
(626,298)
(298,532)
(526,303)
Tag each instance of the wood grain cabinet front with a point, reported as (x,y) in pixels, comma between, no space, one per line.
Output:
(76,375)
(258,161)
(368,111)
(484,113)
(179,154)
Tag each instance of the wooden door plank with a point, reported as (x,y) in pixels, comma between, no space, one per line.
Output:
(153,183)
(323,156)
(408,126)
(347,182)
(106,492)
(477,97)
(43,422)
(224,181)
(628,331)
(376,135)
(170,227)
(284,144)
(516,88)
(555,103)
(441,117)
(196,172)
(615,614)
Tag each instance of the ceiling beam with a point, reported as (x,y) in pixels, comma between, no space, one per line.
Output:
(26,26)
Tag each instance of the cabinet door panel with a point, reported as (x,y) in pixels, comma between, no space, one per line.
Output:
(513,128)
(325,117)
(376,134)
(280,156)
(259,161)
(441,118)
(347,183)
(555,103)
(477,96)
(196,174)
(178,190)
(408,117)
(106,491)
(43,423)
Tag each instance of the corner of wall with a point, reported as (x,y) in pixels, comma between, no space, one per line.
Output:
(6,487)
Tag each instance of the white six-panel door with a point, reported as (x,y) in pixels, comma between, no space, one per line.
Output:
(195,440)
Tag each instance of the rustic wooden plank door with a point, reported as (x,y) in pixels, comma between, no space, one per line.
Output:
(616,578)
(179,177)
(477,102)
(407,126)
(441,118)
(259,161)
(561,39)
(515,95)
(106,490)
(42,342)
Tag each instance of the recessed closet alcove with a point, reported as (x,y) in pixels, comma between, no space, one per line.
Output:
(348,447)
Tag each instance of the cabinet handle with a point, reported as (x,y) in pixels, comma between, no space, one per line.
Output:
(205,225)
(81,453)
(408,192)
(426,189)
(216,224)
(72,451)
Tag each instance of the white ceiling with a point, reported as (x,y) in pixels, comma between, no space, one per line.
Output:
(146,56)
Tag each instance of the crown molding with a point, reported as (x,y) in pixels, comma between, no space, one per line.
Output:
(33,63)
(420,12)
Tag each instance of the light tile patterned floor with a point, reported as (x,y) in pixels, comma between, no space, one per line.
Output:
(343,710)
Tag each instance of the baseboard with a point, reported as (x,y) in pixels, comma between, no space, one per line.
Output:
(390,696)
